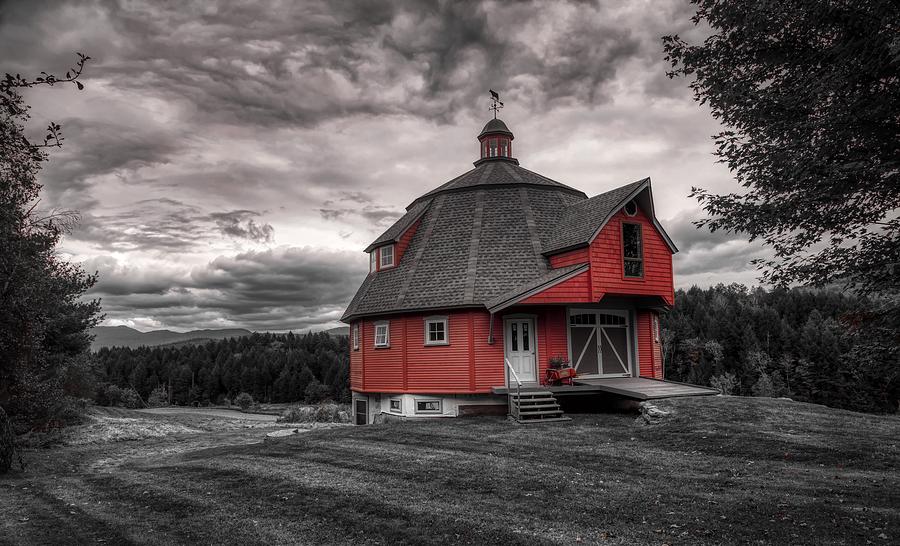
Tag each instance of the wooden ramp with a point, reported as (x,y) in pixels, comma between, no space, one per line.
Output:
(639,388)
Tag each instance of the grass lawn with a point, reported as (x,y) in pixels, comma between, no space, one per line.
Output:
(720,470)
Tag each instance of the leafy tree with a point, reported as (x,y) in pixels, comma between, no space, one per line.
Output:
(244,401)
(44,325)
(809,94)
(814,355)
(275,367)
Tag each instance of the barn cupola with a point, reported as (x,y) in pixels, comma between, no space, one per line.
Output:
(495,140)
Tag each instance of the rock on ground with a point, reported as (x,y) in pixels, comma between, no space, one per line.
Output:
(651,414)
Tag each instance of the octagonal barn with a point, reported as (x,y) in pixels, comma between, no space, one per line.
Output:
(500,275)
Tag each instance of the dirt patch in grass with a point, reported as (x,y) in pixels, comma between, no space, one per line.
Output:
(717,470)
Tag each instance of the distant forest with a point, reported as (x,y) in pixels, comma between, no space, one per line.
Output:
(800,343)
(269,367)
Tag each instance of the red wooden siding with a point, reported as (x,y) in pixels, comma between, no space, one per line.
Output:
(356,364)
(399,247)
(607,273)
(574,290)
(649,349)
(572,257)
(404,240)
(469,364)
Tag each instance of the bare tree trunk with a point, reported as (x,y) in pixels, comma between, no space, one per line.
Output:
(7,443)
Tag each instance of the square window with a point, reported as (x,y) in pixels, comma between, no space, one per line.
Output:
(396,405)
(387,256)
(428,406)
(382,334)
(436,331)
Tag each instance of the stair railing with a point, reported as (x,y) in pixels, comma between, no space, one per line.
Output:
(518,389)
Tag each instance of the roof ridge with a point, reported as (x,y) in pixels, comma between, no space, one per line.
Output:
(532,228)
(426,236)
(474,241)
(512,172)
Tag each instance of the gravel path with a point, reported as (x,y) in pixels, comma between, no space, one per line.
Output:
(212,412)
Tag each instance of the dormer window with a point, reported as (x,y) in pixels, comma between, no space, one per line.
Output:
(632,250)
(387,256)
(373,260)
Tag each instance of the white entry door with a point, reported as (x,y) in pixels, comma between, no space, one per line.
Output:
(521,350)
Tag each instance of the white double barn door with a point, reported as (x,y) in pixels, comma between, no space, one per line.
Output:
(599,340)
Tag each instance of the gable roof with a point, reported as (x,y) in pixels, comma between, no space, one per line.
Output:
(581,222)
(549,279)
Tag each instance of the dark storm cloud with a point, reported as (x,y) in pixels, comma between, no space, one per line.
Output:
(690,237)
(306,62)
(167,225)
(98,148)
(285,288)
(374,216)
(240,224)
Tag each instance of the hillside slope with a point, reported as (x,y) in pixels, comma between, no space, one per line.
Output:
(123,336)
(719,470)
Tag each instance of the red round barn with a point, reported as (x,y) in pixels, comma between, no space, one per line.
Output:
(496,275)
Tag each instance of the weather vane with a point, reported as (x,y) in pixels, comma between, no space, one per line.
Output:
(496,104)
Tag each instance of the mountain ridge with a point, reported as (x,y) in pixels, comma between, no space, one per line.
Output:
(125,336)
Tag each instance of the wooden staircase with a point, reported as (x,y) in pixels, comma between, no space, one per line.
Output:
(535,406)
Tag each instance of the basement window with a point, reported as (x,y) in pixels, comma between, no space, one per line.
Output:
(396,405)
(428,406)
(632,250)
(436,331)
(382,334)
(387,256)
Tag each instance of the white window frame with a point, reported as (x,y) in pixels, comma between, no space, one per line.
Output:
(399,403)
(381,261)
(387,334)
(655,318)
(354,336)
(443,320)
(373,261)
(625,208)
(438,411)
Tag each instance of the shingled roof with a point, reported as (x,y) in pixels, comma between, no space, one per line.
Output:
(484,238)
(498,172)
(400,226)
(581,221)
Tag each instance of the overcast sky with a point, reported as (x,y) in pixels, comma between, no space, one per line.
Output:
(232,159)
